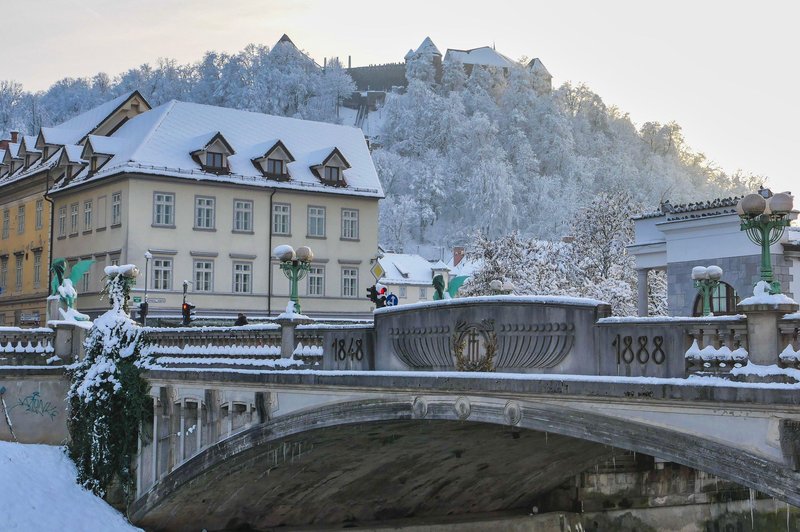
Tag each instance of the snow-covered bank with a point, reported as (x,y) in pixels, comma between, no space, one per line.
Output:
(40,494)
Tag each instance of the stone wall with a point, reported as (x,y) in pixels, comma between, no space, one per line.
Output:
(33,401)
(742,273)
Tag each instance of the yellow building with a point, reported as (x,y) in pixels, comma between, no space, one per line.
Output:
(29,165)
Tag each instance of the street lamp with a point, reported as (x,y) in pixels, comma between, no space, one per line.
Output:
(764,217)
(144,307)
(706,280)
(295,265)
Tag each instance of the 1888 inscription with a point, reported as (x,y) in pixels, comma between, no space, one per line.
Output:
(644,350)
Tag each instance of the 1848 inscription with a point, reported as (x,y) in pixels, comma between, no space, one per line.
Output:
(355,350)
(640,348)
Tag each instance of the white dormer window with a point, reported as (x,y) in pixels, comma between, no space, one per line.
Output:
(94,164)
(276,167)
(333,173)
(215,160)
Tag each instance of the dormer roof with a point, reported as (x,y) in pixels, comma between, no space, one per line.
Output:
(71,154)
(100,145)
(273,145)
(28,144)
(536,65)
(324,157)
(57,136)
(93,119)
(206,140)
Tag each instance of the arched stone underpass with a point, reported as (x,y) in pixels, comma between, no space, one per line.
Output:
(380,460)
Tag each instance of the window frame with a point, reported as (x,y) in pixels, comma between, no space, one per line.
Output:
(287,214)
(20,219)
(201,286)
(162,268)
(4,274)
(352,223)
(248,212)
(87,215)
(62,221)
(73,218)
(328,170)
(212,208)
(19,269)
(347,276)
(116,208)
(323,218)
(317,272)
(248,274)
(211,159)
(37,270)
(6,222)
(164,204)
(39,214)
(272,162)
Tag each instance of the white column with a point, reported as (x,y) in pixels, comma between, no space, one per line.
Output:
(641,277)
(183,431)
(154,465)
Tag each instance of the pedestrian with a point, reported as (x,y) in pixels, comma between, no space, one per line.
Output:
(241,320)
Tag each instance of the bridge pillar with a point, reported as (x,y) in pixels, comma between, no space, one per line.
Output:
(763,334)
(643,291)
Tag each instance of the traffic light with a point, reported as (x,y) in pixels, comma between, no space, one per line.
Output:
(143,307)
(187,309)
(377,296)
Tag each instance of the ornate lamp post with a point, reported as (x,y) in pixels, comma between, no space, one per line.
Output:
(295,265)
(764,217)
(706,279)
(144,306)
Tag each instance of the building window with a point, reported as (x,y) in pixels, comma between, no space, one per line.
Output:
(214,160)
(723,301)
(20,219)
(349,224)
(85,282)
(87,215)
(162,274)
(163,208)
(115,260)
(203,276)
(4,273)
(276,167)
(316,281)
(242,277)
(332,173)
(73,219)
(316,222)
(203,213)
(423,292)
(37,269)
(116,208)
(6,217)
(281,219)
(62,221)
(39,214)
(349,282)
(242,215)
(18,284)
(403,292)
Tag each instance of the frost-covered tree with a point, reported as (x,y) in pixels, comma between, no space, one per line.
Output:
(108,397)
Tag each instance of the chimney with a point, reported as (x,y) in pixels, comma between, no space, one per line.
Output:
(458,254)
(324,63)
(349,62)
(14,135)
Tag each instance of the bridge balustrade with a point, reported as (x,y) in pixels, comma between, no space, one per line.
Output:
(789,328)
(27,347)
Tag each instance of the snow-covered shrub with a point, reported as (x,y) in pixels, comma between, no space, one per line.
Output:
(108,397)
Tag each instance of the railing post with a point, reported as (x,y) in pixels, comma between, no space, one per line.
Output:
(763,334)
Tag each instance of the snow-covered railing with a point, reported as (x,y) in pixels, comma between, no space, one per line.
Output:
(789,328)
(27,347)
(717,345)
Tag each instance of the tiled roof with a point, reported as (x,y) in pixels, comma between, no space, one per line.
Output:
(485,56)
(160,141)
(692,210)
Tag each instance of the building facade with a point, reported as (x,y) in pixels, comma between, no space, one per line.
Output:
(678,238)
(28,166)
(207,193)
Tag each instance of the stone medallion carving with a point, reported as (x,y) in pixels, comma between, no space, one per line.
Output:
(420,408)
(513,413)
(462,408)
(474,346)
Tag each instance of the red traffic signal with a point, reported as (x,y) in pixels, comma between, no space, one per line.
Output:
(187,310)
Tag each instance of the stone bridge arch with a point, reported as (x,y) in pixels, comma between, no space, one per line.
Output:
(377,459)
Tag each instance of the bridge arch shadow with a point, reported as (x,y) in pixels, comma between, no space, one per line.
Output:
(373,460)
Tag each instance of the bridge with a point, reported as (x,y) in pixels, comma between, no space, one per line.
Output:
(313,424)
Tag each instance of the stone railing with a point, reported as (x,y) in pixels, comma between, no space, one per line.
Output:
(28,347)
(789,328)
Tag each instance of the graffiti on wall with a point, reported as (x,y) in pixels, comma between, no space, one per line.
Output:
(34,404)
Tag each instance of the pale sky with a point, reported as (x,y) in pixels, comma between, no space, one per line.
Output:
(726,71)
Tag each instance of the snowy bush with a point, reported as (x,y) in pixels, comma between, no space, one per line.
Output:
(108,397)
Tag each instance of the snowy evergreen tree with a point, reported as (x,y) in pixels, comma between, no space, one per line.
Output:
(108,397)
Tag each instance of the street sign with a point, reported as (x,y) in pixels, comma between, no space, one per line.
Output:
(377,271)
(391,300)
(156,300)
(137,299)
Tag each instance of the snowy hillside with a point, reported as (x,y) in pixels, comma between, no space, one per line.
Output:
(40,494)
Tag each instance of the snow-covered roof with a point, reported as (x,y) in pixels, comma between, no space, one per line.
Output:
(427,46)
(89,120)
(59,136)
(409,54)
(160,142)
(673,212)
(464,267)
(536,65)
(401,268)
(29,142)
(484,56)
